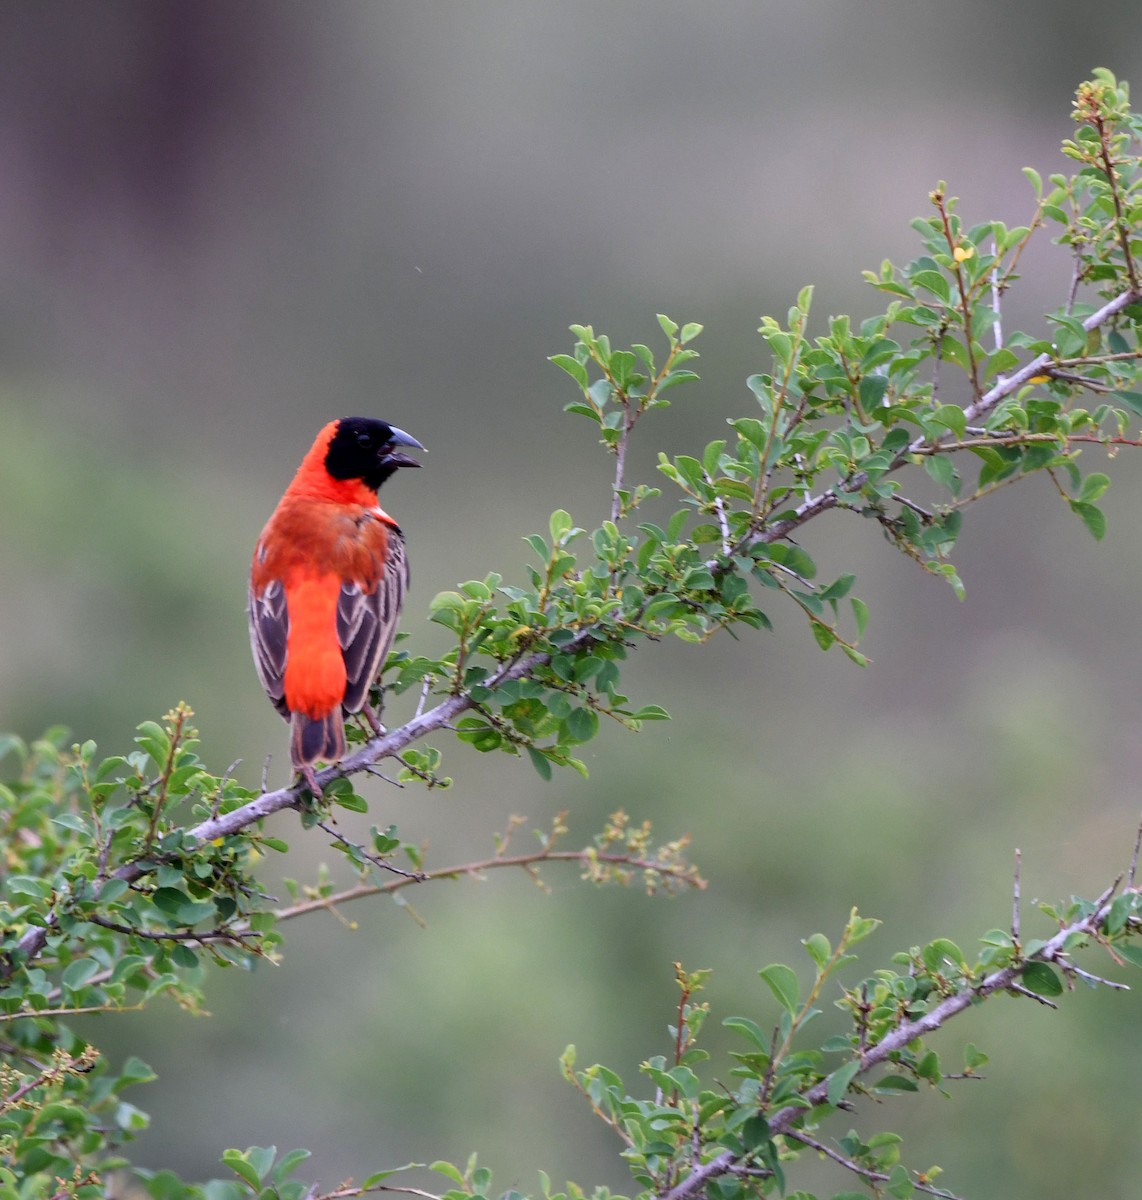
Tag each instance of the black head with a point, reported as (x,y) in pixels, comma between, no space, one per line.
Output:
(365,449)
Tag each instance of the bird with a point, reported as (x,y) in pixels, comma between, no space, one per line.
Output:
(327,582)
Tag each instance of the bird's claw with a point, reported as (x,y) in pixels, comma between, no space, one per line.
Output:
(309,777)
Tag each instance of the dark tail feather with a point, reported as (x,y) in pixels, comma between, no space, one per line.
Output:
(311,739)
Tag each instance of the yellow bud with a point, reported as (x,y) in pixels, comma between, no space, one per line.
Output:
(963,253)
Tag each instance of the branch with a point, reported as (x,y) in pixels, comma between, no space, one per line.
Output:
(586,857)
(32,943)
(863,1172)
(981,408)
(998,981)
(783,1121)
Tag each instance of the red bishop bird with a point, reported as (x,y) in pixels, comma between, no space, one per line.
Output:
(326,586)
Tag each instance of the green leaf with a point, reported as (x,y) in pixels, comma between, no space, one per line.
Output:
(940,468)
(582,724)
(371,1181)
(447,1170)
(1092,517)
(1132,954)
(952,417)
(1132,400)
(839,1082)
(572,366)
(650,712)
(1093,486)
(236,1161)
(934,282)
(818,948)
(154,740)
(540,762)
(349,800)
(900,1182)
(783,984)
(896,1083)
(942,951)
(751,1029)
(689,332)
(1039,978)
(79,973)
(560,525)
(289,1163)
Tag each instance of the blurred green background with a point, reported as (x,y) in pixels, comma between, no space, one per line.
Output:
(225,224)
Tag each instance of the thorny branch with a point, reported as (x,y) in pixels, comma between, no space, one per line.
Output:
(784,1120)
(864,1172)
(834,497)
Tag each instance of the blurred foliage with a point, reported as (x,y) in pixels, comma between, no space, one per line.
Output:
(133,876)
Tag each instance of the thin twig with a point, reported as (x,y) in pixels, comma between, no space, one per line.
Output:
(381,863)
(864,1172)
(1065,965)
(1015,900)
(1134,858)
(997,329)
(681,872)
(1020,990)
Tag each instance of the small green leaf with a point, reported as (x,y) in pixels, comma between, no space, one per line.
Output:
(349,800)
(783,983)
(236,1161)
(1093,486)
(689,332)
(289,1163)
(1092,517)
(540,762)
(582,724)
(560,525)
(448,1170)
(79,973)
(1040,979)
(900,1182)
(1132,954)
(572,366)
(751,1029)
(896,1083)
(371,1181)
(818,948)
(839,1082)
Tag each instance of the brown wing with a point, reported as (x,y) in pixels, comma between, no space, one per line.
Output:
(269,628)
(367,622)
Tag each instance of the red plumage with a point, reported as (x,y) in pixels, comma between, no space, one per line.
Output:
(326,586)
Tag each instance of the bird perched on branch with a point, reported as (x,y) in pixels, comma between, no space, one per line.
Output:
(326,586)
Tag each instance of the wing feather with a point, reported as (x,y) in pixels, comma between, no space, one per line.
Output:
(269,631)
(367,622)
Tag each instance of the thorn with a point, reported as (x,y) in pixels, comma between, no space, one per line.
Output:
(1015,898)
(1134,857)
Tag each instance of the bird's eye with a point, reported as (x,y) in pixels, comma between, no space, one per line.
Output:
(365,440)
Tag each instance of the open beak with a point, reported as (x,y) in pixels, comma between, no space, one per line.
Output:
(391,457)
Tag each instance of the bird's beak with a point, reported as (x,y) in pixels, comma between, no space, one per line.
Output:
(394,458)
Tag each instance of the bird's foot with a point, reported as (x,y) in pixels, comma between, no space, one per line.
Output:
(374,719)
(309,778)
